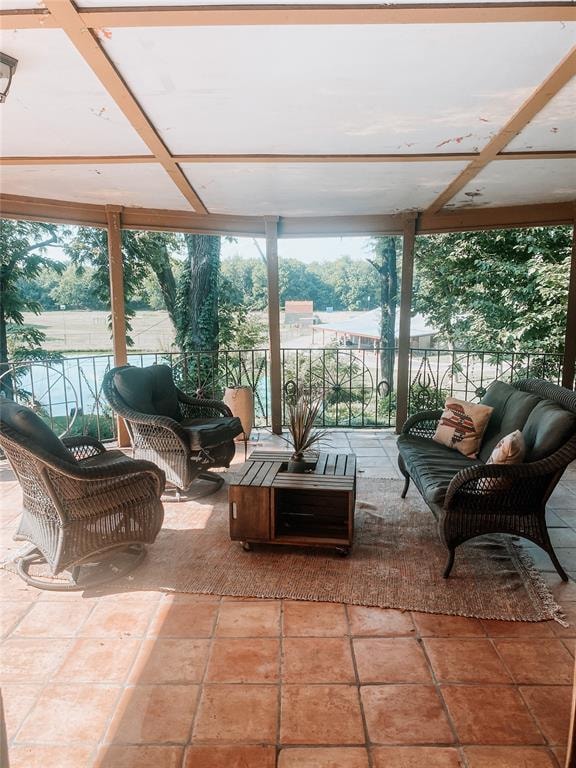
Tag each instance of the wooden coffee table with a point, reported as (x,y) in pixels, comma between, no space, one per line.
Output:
(271,506)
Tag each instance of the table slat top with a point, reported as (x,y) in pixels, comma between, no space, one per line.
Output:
(333,471)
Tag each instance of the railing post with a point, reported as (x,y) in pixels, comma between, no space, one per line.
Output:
(117,305)
(271,227)
(569,368)
(403,378)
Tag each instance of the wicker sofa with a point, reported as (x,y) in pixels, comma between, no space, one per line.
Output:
(470,498)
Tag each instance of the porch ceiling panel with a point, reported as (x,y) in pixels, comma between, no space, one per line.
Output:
(11,5)
(56,105)
(534,181)
(552,129)
(319,189)
(334,89)
(130,184)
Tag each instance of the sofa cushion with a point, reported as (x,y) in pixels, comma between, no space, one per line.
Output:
(27,423)
(462,426)
(511,409)
(547,428)
(149,390)
(204,433)
(432,465)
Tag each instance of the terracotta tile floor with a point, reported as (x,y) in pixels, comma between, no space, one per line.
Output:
(147,680)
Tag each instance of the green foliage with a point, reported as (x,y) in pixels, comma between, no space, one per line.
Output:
(22,248)
(75,289)
(504,289)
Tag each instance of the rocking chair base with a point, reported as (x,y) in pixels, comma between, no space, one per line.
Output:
(211,482)
(84,575)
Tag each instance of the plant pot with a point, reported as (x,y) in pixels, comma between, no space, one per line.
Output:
(296,464)
(240,400)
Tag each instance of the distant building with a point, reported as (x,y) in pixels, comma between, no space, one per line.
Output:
(363,331)
(299,313)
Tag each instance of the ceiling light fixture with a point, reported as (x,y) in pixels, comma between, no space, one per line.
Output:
(7,69)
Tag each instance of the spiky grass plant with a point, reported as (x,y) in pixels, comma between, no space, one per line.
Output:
(303,412)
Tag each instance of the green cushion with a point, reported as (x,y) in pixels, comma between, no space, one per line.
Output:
(547,428)
(28,424)
(511,410)
(205,433)
(149,390)
(432,465)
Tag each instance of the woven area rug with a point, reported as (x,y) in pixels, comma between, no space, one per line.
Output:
(396,562)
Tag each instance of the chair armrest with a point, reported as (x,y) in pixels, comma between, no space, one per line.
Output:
(83,446)
(198,406)
(154,421)
(422,424)
(87,492)
(520,484)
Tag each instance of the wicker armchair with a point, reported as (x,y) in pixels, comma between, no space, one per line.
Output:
(79,501)
(184,436)
(479,498)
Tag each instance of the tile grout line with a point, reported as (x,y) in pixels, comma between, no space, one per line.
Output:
(367,742)
(124,686)
(201,686)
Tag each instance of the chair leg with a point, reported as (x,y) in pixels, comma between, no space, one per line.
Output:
(449,562)
(406,484)
(556,563)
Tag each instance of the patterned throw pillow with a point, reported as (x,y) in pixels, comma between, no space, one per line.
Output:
(510,450)
(462,426)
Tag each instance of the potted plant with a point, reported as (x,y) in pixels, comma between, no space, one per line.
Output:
(303,412)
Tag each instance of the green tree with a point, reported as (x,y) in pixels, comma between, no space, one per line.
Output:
(75,289)
(504,289)
(22,248)
(197,323)
(352,283)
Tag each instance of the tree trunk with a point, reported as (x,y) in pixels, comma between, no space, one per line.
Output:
(198,309)
(167,284)
(6,384)
(386,266)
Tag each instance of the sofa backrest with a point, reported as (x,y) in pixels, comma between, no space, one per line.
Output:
(148,390)
(512,407)
(547,428)
(544,412)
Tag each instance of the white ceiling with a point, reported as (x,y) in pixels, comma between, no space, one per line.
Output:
(143,186)
(332,189)
(56,104)
(521,182)
(345,89)
(318,89)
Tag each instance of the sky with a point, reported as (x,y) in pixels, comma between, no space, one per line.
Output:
(305,249)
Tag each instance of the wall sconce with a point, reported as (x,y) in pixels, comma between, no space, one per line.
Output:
(7,69)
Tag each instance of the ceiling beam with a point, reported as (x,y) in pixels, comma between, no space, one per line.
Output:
(546,91)
(568,154)
(27,19)
(468,219)
(66,15)
(475,218)
(281,15)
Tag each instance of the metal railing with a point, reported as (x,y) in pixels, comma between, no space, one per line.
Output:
(68,391)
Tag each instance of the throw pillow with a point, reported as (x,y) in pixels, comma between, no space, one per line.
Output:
(510,450)
(462,426)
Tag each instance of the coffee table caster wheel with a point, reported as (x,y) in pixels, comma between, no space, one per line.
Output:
(343,551)
(246,546)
